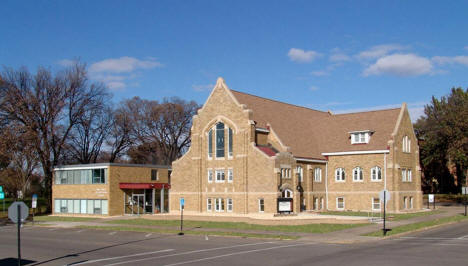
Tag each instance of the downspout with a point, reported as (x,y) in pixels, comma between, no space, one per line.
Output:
(385,170)
(326,183)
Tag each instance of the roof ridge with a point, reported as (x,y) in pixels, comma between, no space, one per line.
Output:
(273,100)
(379,110)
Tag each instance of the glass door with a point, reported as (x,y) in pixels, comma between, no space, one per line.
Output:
(138,204)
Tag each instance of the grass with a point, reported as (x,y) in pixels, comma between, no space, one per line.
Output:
(166,231)
(416,226)
(394,216)
(63,219)
(307,228)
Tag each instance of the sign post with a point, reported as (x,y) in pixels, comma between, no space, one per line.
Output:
(465,192)
(385,195)
(18,212)
(33,205)
(2,197)
(182,204)
(430,199)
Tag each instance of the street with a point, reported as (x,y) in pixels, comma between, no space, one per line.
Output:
(61,246)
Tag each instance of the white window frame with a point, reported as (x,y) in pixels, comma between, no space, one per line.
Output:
(316,203)
(229,205)
(360,175)
(373,204)
(210,175)
(405,202)
(322,203)
(340,174)
(411,202)
(337,204)
(230,175)
(403,175)
(300,172)
(376,178)
(219,205)
(360,137)
(209,205)
(406,144)
(261,203)
(286,173)
(318,174)
(220,173)
(409,175)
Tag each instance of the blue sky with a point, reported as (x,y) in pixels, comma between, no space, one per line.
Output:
(341,56)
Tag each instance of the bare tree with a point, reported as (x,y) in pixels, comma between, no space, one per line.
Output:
(48,106)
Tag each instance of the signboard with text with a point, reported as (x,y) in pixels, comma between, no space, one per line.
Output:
(465,190)
(285,205)
(430,197)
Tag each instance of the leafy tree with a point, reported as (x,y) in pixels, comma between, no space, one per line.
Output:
(444,150)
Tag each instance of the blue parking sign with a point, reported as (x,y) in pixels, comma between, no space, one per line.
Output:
(182,202)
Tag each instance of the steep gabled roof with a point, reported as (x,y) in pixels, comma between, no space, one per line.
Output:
(309,133)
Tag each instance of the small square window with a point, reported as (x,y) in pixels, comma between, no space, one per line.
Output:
(154,174)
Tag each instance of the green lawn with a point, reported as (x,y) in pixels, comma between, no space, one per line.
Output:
(420,225)
(308,228)
(393,216)
(63,219)
(166,231)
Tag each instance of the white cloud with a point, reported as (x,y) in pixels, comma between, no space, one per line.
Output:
(313,88)
(302,56)
(200,88)
(339,57)
(123,64)
(379,51)
(115,73)
(400,65)
(442,60)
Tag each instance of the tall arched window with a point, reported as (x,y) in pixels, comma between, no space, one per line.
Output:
(230,142)
(318,174)
(406,144)
(357,174)
(340,175)
(220,140)
(376,174)
(210,143)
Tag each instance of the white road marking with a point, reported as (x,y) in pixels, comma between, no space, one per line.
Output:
(53,229)
(82,230)
(432,238)
(112,233)
(463,237)
(236,253)
(120,257)
(148,235)
(191,252)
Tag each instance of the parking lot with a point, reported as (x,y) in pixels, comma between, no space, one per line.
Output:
(62,246)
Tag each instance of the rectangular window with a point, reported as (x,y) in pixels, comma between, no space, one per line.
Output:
(229,205)
(285,173)
(299,173)
(318,175)
(359,137)
(63,177)
(376,204)
(90,206)
(220,176)
(104,207)
(97,207)
(261,205)
(57,206)
(410,202)
(219,206)
(405,202)
(210,143)
(76,206)
(219,140)
(69,177)
(76,177)
(403,175)
(154,174)
(99,176)
(316,203)
(409,175)
(83,206)
(209,204)
(230,175)
(230,142)
(340,203)
(210,176)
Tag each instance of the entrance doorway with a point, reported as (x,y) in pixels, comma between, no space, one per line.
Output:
(145,201)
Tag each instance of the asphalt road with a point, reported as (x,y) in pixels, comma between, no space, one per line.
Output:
(58,246)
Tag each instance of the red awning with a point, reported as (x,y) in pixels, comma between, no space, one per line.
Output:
(144,185)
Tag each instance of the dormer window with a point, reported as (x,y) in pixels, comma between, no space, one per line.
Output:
(359,137)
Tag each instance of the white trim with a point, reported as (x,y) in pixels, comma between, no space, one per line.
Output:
(354,152)
(82,168)
(326,182)
(259,209)
(360,131)
(264,130)
(310,160)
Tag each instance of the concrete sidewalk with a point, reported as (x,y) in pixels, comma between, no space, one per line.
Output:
(351,235)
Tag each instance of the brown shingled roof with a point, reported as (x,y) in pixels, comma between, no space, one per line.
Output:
(309,133)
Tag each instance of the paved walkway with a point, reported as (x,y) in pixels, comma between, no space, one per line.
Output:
(350,235)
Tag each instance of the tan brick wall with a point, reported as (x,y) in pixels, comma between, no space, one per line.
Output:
(111,190)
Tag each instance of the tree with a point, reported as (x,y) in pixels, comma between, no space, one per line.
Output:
(48,106)
(164,126)
(444,129)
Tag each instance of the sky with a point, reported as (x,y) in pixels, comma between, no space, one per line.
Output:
(343,56)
